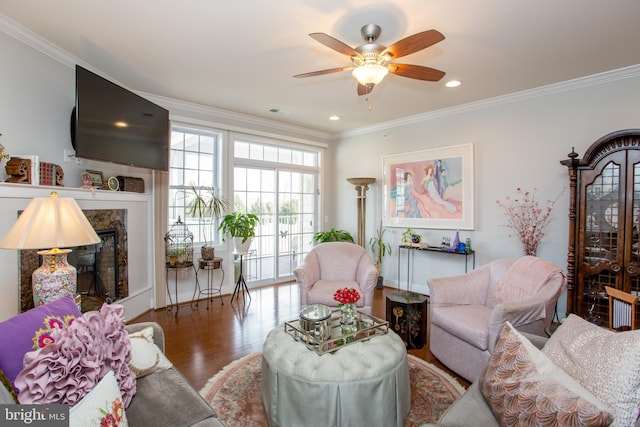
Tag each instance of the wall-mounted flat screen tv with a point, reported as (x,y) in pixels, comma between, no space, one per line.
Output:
(112,124)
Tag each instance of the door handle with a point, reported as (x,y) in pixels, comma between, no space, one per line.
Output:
(616,268)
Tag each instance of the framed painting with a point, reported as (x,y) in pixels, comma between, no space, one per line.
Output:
(429,189)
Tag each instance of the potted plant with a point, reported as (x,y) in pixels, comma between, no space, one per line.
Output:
(332,235)
(242,227)
(379,248)
(409,238)
(207,206)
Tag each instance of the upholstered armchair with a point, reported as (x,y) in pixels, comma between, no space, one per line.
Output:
(336,265)
(467,312)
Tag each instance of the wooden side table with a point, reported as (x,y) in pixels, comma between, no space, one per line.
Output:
(407,316)
(209,265)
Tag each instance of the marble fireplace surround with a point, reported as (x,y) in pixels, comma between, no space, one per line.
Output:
(100,219)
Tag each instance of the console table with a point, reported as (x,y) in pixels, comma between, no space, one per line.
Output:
(411,250)
(209,265)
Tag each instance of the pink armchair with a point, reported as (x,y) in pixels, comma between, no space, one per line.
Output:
(468,311)
(336,265)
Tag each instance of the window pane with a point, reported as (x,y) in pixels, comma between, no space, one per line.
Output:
(206,144)
(270,153)
(296,157)
(255,152)
(191,142)
(253,180)
(241,150)
(284,155)
(240,179)
(206,162)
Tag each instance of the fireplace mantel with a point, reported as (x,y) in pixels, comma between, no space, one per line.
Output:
(30,191)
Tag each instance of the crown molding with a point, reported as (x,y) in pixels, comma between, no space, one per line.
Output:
(277,129)
(579,83)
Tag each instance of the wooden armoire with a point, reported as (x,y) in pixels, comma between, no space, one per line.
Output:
(604,218)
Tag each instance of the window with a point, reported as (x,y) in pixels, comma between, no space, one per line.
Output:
(279,184)
(195,163)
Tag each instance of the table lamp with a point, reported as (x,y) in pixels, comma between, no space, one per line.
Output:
(51,222)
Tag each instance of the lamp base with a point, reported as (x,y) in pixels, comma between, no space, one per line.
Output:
(55,278)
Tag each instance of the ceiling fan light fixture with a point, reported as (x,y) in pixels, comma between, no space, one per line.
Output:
(370,74)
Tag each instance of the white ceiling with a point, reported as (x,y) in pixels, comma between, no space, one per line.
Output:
(241,55)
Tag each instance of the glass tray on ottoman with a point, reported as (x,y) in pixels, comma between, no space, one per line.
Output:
(367,327)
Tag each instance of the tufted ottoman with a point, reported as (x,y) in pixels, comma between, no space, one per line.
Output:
(362,384)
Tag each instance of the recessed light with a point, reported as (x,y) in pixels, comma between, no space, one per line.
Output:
(334,118)
(121,124)
(453,83)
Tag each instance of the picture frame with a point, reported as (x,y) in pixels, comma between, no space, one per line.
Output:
(431,188)
(95,177)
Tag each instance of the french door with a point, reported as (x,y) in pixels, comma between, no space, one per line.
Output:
(285,200)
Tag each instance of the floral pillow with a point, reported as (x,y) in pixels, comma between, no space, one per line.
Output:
(522,387)
(32,330)
(80,356)
(103,406)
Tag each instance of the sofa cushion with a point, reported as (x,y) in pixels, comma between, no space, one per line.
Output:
(31,330)
(523,387)
(146,357)
(526,276)
(103,406)
(604,362)
(67,370)
(167,399)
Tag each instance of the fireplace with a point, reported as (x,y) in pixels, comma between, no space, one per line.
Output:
(102,268)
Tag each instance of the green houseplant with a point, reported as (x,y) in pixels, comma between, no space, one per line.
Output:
(379,248)
(240,226)
(332,235)
(204,203)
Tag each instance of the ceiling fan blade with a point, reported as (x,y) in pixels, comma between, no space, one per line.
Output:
(417,72)
(334,44)
(365,89)
(414,43)
(321,72)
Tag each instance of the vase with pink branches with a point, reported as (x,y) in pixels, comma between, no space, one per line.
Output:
(527,217)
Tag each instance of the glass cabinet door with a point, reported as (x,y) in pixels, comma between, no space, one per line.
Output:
(602,241)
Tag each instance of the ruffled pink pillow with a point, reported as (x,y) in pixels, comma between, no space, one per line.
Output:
(81,355)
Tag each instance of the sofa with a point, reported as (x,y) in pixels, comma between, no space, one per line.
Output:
(156,393)
(582,363)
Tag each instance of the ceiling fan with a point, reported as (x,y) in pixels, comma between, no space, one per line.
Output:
(372,61)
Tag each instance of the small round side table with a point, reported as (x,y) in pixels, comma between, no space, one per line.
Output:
(209,265)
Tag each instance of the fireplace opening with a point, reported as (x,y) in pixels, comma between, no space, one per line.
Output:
(102,268)
(97,267)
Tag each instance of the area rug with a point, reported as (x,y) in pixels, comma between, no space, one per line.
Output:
(235,394)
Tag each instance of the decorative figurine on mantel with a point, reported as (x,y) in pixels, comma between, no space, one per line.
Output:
(3,155)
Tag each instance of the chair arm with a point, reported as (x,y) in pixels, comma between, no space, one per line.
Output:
(463,289)
(367,276)
(158,332)
(518,313)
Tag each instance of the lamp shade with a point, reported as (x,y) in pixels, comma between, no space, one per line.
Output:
(50,222)
(370,74)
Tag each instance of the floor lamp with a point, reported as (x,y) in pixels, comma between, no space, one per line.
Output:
(362,185)
(51,222)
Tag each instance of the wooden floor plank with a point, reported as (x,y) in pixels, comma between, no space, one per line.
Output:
(201,342)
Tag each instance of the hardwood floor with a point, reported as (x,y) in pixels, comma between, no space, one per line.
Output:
(201,342)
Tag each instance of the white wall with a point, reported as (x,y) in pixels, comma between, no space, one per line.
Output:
(518,142)
(36,99)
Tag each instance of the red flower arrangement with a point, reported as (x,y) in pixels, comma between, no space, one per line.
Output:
(346,296)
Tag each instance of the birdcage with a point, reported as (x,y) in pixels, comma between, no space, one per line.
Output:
(178,244)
